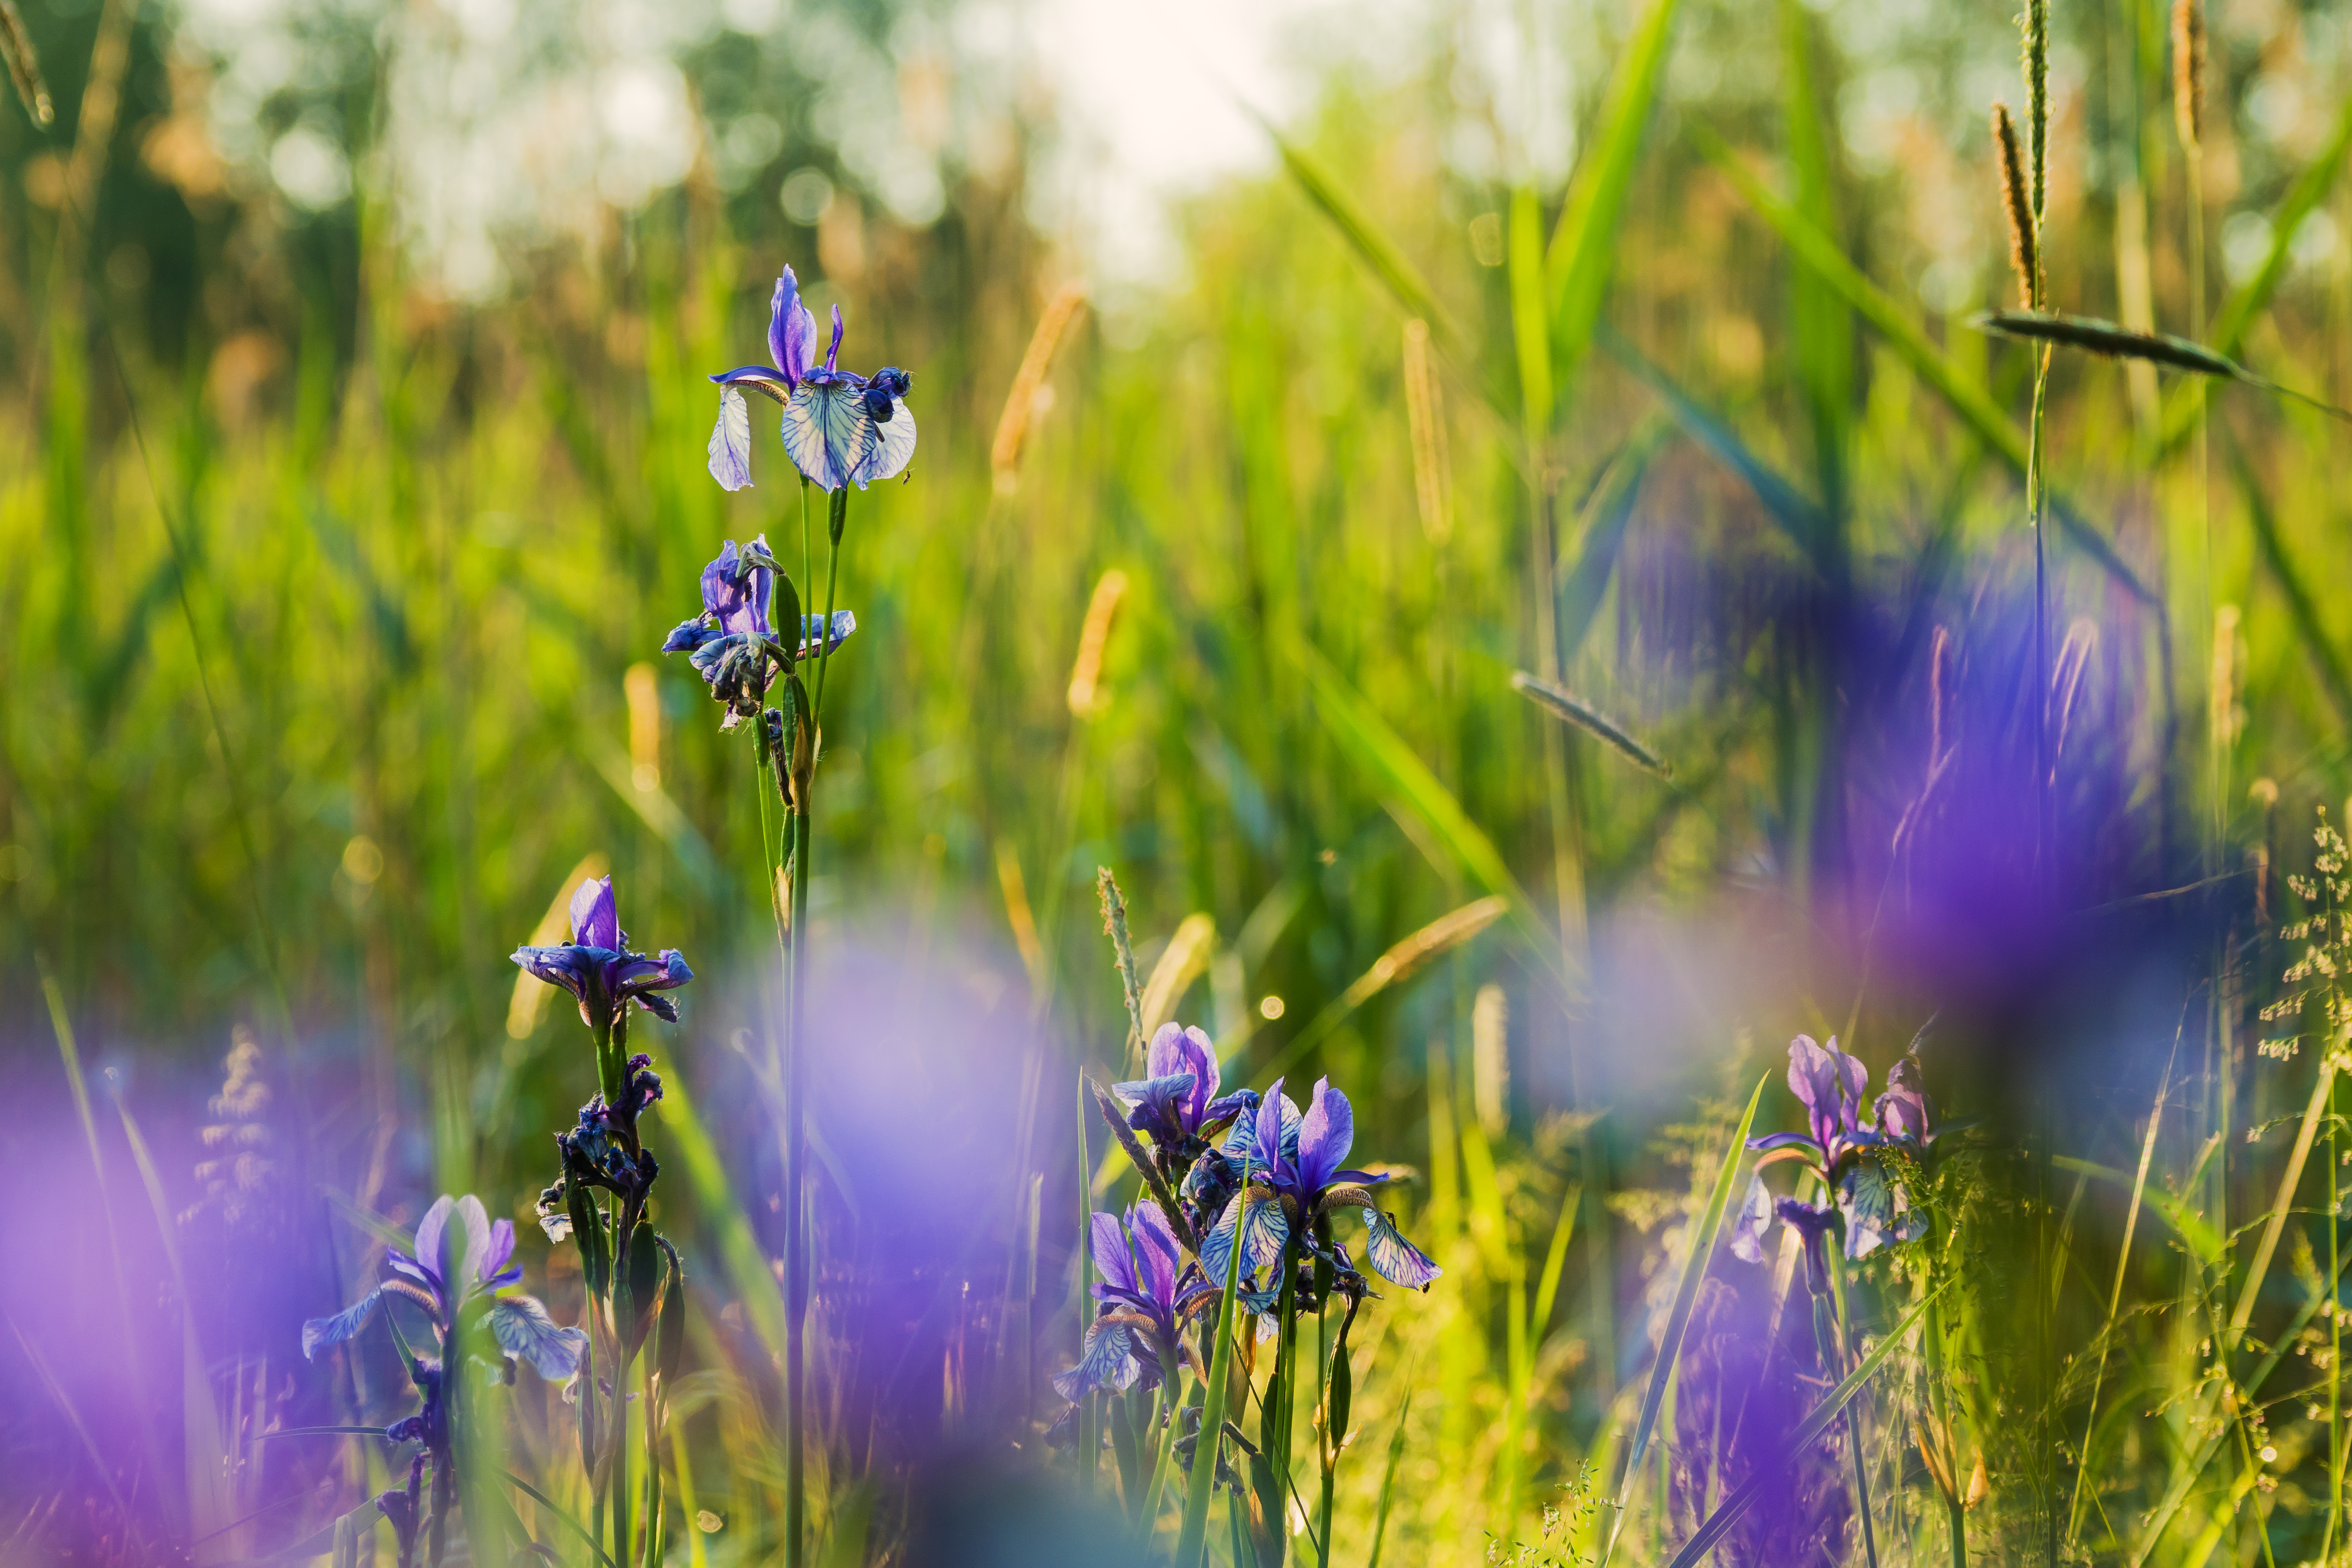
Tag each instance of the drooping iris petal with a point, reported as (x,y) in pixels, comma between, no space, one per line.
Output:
(688,635)
(526,1333)
(1112,1259)
(321,1332)
(731,442)
(844,622)
(474,1226)
(1393,1257)
(1876,1212)
(1264,1231)
(889,448)
(1156,1101)
(429,1232)
(1755,1222)
(595,919)
(1102,1356)
(573,968)
(1326,1134)
(1782,1140)
(497,1254)
(791,331)
(404,1264)
(826,432)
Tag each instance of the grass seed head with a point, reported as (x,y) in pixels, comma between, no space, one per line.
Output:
(2188,72)
(2013,202)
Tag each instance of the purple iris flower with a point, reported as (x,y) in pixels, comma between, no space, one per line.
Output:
(1146,1289)
(1297,1160)
(839,427)
(1178,1097)
(483,1270)
(1843,1150)
(597,967)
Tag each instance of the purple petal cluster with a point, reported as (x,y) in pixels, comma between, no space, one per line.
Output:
(1847,1152)
(597,967)
(839,427)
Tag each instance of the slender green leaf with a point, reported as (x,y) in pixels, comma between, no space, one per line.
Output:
(1388,1477)
(1390,763)
(2248,300)
(1798,514)
(1601,524)
(1530,327)
(2302,605)
(1583,252)
(1192,1538)
(1821,324)
(1719,1522)
(1974,406)
(1374,248)
(2202,1239)
(561,1516)
(1703,1238)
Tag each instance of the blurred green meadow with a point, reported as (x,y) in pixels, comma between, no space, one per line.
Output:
(1626,347)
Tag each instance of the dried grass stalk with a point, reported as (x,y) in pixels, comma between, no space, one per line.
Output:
(2022,253)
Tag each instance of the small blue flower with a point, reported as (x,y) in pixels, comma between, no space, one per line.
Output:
(597,967)
(839,427)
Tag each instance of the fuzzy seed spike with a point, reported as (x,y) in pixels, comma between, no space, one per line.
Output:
(2013,201)
(2188,72)
(25,65)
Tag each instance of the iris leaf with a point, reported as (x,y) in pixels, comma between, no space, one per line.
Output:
(1710,1224)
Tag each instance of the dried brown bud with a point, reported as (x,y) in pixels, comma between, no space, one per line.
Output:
(2188,72)
(2013,202)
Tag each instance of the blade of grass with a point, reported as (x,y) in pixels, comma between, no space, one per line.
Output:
(2203,1240)
(1387,1476)
(1726,1514)
(1398,963)
(2302,606)
(1600,532)
(2238,312)
(2313,1114)
(1192,1538)
(1583,252)
(1821,324)
(1390,764)
(562,1517)
(1799,516)
(1703,1238)
(1974,406)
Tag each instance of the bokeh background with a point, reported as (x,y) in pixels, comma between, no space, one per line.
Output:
(352,471)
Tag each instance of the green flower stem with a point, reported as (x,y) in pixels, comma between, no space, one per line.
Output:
(1829,1330)
(1193,1538)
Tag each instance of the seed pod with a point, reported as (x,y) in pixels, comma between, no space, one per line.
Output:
(588,1236)
(1343,1394)
(669,1349)
(2188,72)
(645,1265)
(2021,250)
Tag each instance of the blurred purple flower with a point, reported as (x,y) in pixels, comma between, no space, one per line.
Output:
(483,1270)
(597,967)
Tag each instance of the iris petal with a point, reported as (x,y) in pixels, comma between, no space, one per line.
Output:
(826,432)
(1755,1222)
(1102,1357)
(791,331)
(429,1231)
(595,920)
(526,1333)
(1325,1135)
(321,1332)
(731,442)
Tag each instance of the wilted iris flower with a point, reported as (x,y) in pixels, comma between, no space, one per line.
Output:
(1296,1160)
(483,1271)
(733,644)
(597,967)
(839,427)
(602,1150)
(1146,1289)
(1843,1151)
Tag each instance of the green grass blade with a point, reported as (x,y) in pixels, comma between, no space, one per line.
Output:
(1530,326)
(1974,406)
(1678,1318)
(2203,1240)
(1388,1477)
(2303,607)
(1192,1537)
(670,824)
(1563,1231)
(1583,253)
(1800,517)
(2238,312)
(1375,249)
(1821,324)
(1600,525)
(1390,764)
(1726,1514)
(561,1516)
(2313,1114)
